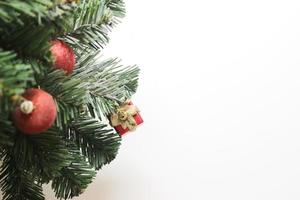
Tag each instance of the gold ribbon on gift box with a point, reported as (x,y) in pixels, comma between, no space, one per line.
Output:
(125,116)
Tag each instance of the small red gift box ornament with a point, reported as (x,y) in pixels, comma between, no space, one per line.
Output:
(127,118)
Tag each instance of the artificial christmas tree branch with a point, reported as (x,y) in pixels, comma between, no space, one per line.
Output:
(88,38)
(11,10)
(14,75)
(7,130)
(97,141)
(109,78)
(102,106)
(17,184)
(74,178)
(66,114)
(117,7)
(57,95)
(43,156)
(65,88)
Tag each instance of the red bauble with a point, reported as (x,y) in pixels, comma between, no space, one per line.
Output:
(36,114)
(64,57)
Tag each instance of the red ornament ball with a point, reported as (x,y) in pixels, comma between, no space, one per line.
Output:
(36,113)
(64,57)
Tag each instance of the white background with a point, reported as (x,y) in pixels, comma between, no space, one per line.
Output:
(220,96)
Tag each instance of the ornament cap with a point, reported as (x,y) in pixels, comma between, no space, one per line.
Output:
(26,107)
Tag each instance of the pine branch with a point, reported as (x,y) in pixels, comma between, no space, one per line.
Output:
(16,183)
(87,24)
(7,131)
(101,106)
(31,39)
(108,79)
(117,7)
(87,38)
(93,20)
(98,12)
(19,12)
(66,114)
(75,178)
(66,89)
(89,12)
(14,74)
(97,141)
(44,155)
(21,40)
(13,9)
(6,107)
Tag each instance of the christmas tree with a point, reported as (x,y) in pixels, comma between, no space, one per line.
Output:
(63,108)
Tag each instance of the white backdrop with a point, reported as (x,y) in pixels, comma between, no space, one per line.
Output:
(220,96)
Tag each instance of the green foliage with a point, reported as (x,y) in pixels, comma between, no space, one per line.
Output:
(64,88)
(14,75)
(66,114)
(11,10)
(101,106)
(113,81)
(92,22)
(7,130)
(108,78)
(97,12)
(117,7)
(16,183)
(97,141)
(31,38)
(75,178)
(87,38)
(89,12)
(44,154)
(18,39)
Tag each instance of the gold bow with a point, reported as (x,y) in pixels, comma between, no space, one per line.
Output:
(125,117)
